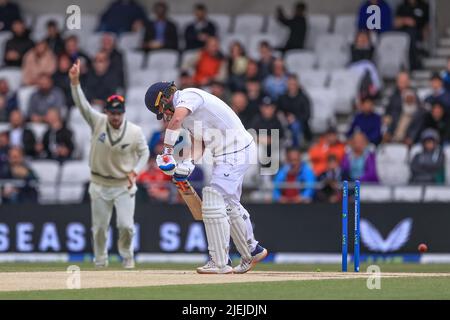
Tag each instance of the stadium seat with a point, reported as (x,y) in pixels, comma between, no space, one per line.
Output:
(129,41)
(332,60)
(38,130)
(229,39)
(170,74)
(322,109)
(392,152)
(422,93)
(393,173)
(345,25)
(4,126)
(415,149)
(89,22)
(255,41)
(297,60)
(188,60)
(372,193)
(133,63)
(135,95)
(40,25)
(312,78)
(332,51)
(280,31)
(162,60)
(91,43)
(391,54)
(47,172)
(82,137)
(23,97)
(74,176)
(248,24)
(144,77)
(222,22)
(13,75)
(318,24)
(437,193)
(4,36)
(408,193)
(346,82)
(182,21)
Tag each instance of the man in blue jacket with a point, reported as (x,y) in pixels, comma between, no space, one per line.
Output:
(294,182)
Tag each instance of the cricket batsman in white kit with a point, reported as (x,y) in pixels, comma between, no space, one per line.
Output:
(118,153)
(212,121)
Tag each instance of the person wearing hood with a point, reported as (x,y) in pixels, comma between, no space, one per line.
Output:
(428,166)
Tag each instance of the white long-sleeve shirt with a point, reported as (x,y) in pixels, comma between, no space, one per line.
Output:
(114,152)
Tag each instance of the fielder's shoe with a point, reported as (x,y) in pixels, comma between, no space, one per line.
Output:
(211,268)
(101,264)
(128,263)
(246,265)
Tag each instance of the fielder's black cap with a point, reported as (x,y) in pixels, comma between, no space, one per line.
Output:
(115,103)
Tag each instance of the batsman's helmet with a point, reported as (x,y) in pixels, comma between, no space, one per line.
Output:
(115,103)
(154,94)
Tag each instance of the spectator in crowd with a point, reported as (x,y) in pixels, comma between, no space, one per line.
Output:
(72,50)
(396,100)
(57,143)
(385,16)
(218,89)
(154,182)
(362,52)
(239,104)
(20,136)
(61,78)
(116,64)
(446,76)
(398,122)
(275,84)
(46,96)
(328,144)
(37,61)
(254,95)
(266,59)
(9,12)
(9,97)
(437,118)
(412,18)
(268,121)
(101,82)
(428,166)
(210,64)
(53,38)
(359,161)
(4,113)
(18,45)
(198,31)
(4,149)
(297,108)
(439,94)
(24,190)
(367,121)
(161,33)
(237,66)
(297,26)
(184,80)
(330,181)
(123,16)
(295,181)
(252,73)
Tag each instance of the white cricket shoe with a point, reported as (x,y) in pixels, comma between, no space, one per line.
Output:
(128,263)
(101,264)
(246,265)
(211,268)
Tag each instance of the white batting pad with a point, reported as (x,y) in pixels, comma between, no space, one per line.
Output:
(239,232)
(217,226)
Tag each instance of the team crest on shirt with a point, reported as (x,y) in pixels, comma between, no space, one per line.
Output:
(102,137)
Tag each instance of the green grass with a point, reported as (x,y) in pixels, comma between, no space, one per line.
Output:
(391,288)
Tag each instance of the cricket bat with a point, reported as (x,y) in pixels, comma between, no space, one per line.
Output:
(190,196)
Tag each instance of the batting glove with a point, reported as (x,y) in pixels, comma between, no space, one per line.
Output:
(166,163)
(184,170)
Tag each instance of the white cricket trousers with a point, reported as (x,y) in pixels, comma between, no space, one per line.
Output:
(103,199)
(227,177)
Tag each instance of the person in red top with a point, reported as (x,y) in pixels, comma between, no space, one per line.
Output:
(327,145)
(211,64)
(155,182)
